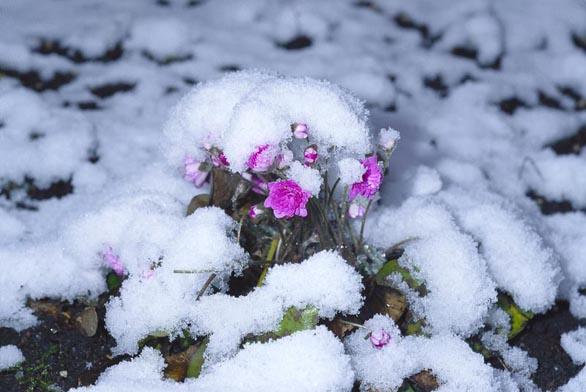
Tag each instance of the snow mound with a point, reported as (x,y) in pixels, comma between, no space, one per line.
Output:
(450,359)
(276,365)
(439,254)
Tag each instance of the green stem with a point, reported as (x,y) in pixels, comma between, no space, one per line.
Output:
(270,256)
(361,241)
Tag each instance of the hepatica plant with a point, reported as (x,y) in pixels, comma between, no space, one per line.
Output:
(288,156)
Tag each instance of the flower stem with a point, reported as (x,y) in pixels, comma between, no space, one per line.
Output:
(361,240)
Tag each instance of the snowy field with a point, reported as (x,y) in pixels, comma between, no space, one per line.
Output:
(485,191)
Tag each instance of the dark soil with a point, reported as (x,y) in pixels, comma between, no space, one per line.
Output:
(57,352)
(541,339)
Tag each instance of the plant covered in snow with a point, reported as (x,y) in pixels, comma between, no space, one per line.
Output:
(298,154)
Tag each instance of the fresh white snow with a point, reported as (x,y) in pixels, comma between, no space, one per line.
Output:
(456,187)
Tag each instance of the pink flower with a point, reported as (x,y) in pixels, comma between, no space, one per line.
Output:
(310,154)
(355,210)
(113,261)
(380,338)
(220,161)
(255,211)
(287,199)
(193,173)
(371,180)
(262,159)
(299,130)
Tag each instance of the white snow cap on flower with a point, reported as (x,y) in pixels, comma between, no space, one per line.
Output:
(248,109)
(351,171)
(309,179)
(388,138)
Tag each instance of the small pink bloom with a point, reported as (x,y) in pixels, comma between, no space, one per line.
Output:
(220,161)
(287,199)
(255,211)
(262,159)
(284,159)
(148,273)
(299,130)
(310,154)
(113,261)
(355,210)
(380,338)
(371,180)
(193,173)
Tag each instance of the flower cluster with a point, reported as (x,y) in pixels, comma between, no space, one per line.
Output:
(295,180)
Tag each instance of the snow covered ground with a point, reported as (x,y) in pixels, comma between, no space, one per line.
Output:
(482,92)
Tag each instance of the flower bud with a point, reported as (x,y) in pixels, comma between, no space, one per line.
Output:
(388,139)
(255,211)
(356,210)
(310,154)
(299,130)
(220,160)
(113,261)
(193,172)
(379,338)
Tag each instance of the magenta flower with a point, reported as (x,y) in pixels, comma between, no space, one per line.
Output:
(113,261)
(380,338)
(262,159)
(310,154)
(355,210)
(299,130)
(220,161)
(287,199)
(371,180)
(255,211)
(193,173)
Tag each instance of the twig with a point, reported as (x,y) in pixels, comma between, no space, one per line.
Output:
(205,286)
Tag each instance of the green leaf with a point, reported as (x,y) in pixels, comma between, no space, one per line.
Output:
(296,320)
(113,281)
(197,360)
(393,266)
(406,387)
(519,317)
(293,320)
(198,201)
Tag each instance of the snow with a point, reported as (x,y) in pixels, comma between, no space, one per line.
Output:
(228,319)
(351,171)
(454,363)
(308,178)
(456,185)
(574,343)
(316,354)
(10,356)
(440,254)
